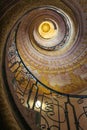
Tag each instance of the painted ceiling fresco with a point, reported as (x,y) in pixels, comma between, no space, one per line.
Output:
(51,41)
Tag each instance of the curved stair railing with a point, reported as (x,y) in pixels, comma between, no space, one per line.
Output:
(53,110)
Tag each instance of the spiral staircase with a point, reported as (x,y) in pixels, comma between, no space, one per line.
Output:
(43,65)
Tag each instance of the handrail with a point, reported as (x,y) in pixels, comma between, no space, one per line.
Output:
(64,94)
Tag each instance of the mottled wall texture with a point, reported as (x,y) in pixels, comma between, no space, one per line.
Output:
(42,64)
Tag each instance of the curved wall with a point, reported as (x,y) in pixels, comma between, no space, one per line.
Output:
(71,73)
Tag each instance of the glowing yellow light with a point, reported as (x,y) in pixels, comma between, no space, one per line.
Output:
(47,30)
(45,27)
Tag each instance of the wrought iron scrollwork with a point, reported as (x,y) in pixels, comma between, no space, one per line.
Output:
(57,111)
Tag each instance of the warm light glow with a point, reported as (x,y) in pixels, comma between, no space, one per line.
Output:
(47,30)
(38,104)
(45,27)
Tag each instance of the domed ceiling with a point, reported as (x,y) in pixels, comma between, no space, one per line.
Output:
(49,41)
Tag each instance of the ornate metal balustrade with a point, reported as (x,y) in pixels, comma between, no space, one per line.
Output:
(55,111)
